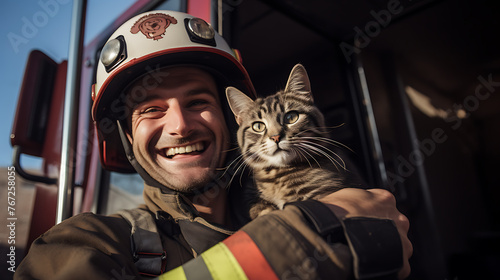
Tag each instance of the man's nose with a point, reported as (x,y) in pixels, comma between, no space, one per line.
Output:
(177,122)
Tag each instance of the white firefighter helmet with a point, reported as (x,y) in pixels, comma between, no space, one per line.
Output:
(142,45)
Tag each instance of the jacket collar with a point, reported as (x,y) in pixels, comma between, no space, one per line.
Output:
(179,207)
(175,204)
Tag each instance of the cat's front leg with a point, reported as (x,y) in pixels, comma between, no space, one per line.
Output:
(260,208)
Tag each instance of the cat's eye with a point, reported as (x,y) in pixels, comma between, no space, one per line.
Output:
(258,126)
(291,117)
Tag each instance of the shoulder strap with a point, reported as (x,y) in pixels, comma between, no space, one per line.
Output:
(147,248)
(200,236)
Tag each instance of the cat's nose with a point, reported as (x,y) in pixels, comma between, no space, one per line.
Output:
(275,138)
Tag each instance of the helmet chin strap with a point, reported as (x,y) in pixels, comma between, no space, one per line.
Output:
(145,175)
(133,161)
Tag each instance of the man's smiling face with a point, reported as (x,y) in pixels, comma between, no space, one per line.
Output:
(179,135)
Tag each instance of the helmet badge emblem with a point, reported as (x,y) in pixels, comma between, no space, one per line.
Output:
(153,26)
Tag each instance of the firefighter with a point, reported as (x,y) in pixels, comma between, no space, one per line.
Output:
(159,110)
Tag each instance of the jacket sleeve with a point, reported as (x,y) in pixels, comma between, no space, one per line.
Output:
(86,246)
(287,245)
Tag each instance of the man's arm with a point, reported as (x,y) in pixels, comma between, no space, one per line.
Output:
(86,246)
(291,244)
(280,245)
(377,203)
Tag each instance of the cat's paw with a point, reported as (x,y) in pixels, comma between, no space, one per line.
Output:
(261,209)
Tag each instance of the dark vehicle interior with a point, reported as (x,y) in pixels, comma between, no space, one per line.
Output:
(415,85)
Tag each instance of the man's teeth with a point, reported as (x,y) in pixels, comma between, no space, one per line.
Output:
(185,149)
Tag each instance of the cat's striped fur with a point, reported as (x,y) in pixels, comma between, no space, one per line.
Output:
(284,141)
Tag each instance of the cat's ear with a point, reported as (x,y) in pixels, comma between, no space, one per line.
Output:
(238,102)
(298,82)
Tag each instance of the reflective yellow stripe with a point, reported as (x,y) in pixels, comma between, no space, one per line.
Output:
(176,273)
(222,264)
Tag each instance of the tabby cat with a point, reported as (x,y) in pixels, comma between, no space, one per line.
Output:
(284,141)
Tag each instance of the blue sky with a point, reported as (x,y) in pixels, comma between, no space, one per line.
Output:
(44,25)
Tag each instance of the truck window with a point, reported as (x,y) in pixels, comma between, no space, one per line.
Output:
(125,192)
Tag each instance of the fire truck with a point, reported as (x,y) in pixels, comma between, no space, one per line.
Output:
(412,87)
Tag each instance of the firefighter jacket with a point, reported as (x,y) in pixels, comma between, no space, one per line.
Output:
(294,243)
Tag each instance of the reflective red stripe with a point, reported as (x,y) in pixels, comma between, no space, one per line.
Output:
(249,256)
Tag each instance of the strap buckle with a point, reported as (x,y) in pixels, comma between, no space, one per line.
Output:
(150,264)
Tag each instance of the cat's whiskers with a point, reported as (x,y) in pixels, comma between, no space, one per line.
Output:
(231,149)
(316,151)
(327,129)
(328,140)
(237,159)
(301,149)
(322,150)
(235,162)
(315,131)
(239,162)
(333,153)
(325,139)
(244,165)
(334,127)
(307,149)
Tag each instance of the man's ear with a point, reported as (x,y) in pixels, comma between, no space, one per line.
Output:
(238,102)
(128,129)
(129,135)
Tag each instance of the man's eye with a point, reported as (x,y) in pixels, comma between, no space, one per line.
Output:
(151,110)
(198,103)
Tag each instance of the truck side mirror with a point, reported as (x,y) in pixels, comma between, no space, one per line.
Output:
(29,132)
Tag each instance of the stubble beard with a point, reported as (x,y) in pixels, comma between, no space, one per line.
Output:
(171,181)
